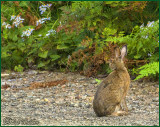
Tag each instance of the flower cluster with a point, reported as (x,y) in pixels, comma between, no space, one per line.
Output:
(6,25)
(41,21)
(150,24)
(27,32)
(50,32)
(145,37)
(44,7)
(17,20)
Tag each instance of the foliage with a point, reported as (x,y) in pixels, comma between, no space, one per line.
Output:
(98,81)
(77,35)
(18,68)
(143,42)
(32,43)
(151,69)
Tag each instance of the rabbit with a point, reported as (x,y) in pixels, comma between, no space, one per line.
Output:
(110,98)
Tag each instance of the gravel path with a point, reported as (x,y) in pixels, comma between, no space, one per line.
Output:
(71,103)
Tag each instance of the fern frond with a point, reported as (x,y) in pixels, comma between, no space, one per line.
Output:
(148,69)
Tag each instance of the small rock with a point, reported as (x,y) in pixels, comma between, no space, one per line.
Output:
(14,104)
(71,105)
(88,106)
(76,105)
(94,82)
(155,99)
(84,97)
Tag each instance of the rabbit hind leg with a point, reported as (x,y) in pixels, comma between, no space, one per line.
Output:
(118,112)
(124,105)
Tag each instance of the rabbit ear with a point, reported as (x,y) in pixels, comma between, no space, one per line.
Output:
(117,52)
(123,51)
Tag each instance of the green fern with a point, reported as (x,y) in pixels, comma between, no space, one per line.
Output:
(148,69)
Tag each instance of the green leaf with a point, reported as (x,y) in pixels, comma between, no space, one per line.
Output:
(43,54)
(4,54)
(62,47)
(54,57)
(41,64)
(137,56)
(5,34)
(94,23)
(15,38)
(21,46)
(18,68)
(17,56)
(30,59)
(139,46)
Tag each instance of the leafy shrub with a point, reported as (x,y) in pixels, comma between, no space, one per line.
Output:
(18,68)
(143,44)
(29,36)
(77,35)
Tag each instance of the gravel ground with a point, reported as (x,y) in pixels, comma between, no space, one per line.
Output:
(71,103)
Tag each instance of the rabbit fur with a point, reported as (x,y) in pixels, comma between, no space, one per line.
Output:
(110,98)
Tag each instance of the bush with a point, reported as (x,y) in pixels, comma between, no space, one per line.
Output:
(77,35)
(143,44)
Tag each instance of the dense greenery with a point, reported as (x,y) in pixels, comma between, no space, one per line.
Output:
(79,36)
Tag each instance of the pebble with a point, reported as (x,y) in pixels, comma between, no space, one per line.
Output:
(3,83)
(71,104)
(94,82)
(88,105)
(156,99)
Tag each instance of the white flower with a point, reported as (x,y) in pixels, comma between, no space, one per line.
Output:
(47,34)
(27,32)
(50,32)
(145,36)
(44,7)
(49,5)
(149,54)
(4,23)
(41,21)
(42,10)
(17,21)
(150,24)
(12,17)
(8,26)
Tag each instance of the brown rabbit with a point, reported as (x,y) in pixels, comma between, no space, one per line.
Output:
(110,98)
